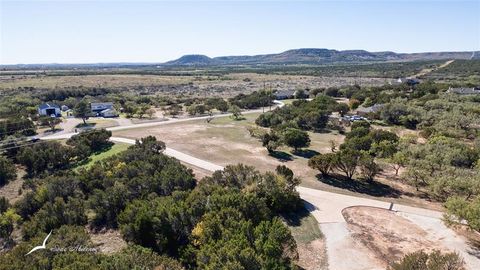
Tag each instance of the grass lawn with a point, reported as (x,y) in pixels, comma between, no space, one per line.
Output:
(304,226)
(310,240)
(287,101)
(98,123)
(115,149)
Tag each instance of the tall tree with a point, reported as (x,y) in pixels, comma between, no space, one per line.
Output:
(296,138)
(346,161)
(82,110)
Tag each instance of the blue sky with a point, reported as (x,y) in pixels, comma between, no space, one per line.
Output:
(157,31)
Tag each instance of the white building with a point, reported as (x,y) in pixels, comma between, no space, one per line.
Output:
(49,109)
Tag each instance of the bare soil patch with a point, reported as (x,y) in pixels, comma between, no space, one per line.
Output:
(108,241)
(387,235)
(312,255)
(11,191)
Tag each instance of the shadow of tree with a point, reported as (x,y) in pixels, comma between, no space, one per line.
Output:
(305,153)
(372,188)
(282,156)
(89,158)
(475,247)
(295,218)
(87,125)
(53,131)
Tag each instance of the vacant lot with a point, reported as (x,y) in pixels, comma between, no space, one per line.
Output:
(224,141)
(388,235)
(385,234)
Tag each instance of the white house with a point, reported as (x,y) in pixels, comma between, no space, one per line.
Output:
(49,109)
(107,113)
(101,106)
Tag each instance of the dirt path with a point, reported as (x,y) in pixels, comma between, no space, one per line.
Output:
(343,252)
(426,71)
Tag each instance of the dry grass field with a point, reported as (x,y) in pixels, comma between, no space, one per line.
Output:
(222,85)
(224,141)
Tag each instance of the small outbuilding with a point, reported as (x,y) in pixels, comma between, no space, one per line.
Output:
(49,109)
(284,94)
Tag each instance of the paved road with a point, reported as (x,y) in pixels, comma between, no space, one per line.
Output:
(178,155)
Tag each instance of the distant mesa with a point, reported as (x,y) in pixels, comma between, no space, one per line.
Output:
(305,56)
(192,60)
(312,56)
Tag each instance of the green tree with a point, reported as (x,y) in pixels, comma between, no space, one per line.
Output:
(236,112)
(96,140)
(8,171)
(398,160)
(434,261)
(346,161)
(8,219)
(459,209)
(368,167)
(342,109)
(142,110)
(45,156)
(82,110)
(271,141)
(52,122)
(174,110)
(296,138)
(322,162)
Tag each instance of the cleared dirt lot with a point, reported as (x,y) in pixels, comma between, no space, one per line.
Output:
(388,235)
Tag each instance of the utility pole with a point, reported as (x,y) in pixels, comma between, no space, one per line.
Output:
(270,96)
(263,107)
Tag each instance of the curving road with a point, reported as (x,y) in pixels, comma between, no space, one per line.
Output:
(327,208)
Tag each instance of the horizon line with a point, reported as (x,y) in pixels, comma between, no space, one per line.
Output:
(232,55)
